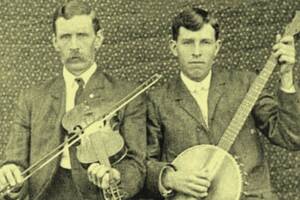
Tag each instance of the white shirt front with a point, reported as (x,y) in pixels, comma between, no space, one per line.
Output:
(71,88)
(199,90)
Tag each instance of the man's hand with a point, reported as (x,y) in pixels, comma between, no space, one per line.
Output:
(284,51)
(10,175)
(103,176)
(194,184)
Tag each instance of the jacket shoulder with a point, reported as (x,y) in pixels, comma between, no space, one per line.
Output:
(162,92)
(36,93)
(240,78)
(120,84)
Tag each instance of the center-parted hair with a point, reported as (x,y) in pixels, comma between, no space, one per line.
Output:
(193,19)
(73,8)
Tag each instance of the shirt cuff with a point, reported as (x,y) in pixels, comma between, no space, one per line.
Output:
(289,90)
(164,191)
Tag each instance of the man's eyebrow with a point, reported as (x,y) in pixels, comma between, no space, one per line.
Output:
(187,39)
(207,39)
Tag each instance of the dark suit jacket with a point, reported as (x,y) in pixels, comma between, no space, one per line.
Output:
(37,129)
(175,123)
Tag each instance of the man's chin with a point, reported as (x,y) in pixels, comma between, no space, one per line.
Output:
(76,68)
(197,76)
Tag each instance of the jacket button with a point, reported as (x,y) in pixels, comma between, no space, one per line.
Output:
(252,131)
(92,95)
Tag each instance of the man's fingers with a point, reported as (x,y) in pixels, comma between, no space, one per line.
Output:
(280,52)
(195,190)
(115,176)
(284,39)
(287,59)
(10,177)
(198,188)
(202,195)
(91,171)
(111,177)
(200,181)
(278,37)
(286,49)
(3,182)
(17,175)
(287,39)
(96,173)
(101,173)
(105,181)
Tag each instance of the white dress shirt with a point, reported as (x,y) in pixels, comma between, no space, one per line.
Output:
(71,88)
(199,90)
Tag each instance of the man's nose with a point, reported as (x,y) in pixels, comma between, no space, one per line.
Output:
(197,51)
(74,43)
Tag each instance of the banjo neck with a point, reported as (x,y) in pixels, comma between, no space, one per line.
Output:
(255,90)
(247,104)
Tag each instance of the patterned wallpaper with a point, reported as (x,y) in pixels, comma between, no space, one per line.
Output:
(136,46)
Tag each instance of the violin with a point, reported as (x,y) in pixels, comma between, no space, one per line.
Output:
(100,141)
(76,122)
(82,123)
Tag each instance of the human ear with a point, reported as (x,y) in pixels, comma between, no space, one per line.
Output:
(54,42)
(218,46)
(173,47)
(99,39)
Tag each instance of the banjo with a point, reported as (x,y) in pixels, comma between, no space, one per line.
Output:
(224,172)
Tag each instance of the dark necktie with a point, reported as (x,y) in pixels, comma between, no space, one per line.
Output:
(77,97)
(75,165)
(79,91)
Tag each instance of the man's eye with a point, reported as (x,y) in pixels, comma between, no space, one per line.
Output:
(82,35)
(187,42)
(66,36)
(205,42)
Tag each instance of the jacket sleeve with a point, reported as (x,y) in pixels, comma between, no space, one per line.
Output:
(17,149)
(133,130)
(278,118)
(154,143)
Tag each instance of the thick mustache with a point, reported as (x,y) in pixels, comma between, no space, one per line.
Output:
(74,56)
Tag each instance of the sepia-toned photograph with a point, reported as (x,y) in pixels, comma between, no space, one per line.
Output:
(150,100)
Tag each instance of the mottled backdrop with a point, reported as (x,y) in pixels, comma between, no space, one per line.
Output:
(136,46)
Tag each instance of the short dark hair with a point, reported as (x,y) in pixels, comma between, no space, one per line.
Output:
(193,18)
(73,8)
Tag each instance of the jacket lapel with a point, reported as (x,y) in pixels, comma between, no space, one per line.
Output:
(216,90)
(58,93)
(94,87)
(187,102)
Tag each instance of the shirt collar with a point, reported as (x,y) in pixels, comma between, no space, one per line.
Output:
(70,78)
(194,86)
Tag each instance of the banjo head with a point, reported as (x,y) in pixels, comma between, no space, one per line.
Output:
(227,182)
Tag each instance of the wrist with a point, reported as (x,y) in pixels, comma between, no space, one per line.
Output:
(165,181)
(286,80)
(167,178)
